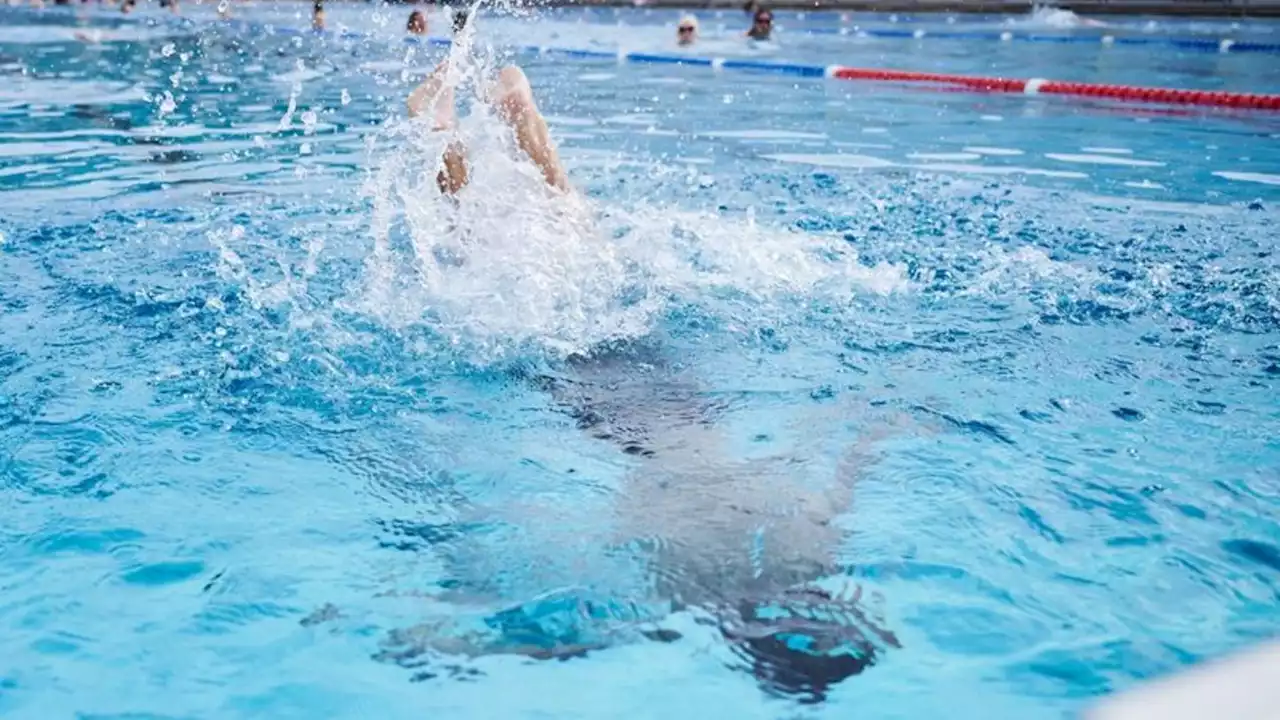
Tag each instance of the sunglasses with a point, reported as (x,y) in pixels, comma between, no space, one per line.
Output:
(684,29)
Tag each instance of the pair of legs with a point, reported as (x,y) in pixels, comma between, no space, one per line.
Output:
(512,98)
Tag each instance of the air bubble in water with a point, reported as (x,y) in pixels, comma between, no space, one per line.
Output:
(346,97)
(309,122)
(167,105)
(168,50)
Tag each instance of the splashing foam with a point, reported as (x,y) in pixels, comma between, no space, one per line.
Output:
(508,268)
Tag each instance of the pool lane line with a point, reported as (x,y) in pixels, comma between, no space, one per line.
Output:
(1031,86)
(1105,39)
(1043,86)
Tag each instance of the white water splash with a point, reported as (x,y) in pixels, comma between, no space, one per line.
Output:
(509,267)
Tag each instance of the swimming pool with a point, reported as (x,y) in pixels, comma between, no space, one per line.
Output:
(252,466)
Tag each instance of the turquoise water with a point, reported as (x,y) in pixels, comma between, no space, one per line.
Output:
(996,372)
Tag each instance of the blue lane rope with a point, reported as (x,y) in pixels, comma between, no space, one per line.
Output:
(1226,44)
(641,58)
(650,58)
(1201,44)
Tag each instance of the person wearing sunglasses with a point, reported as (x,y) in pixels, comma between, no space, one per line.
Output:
(687,31)
(761,25)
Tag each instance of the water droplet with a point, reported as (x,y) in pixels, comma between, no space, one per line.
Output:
(168,50)
(346,97)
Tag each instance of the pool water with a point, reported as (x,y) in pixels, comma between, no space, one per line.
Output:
(997,373)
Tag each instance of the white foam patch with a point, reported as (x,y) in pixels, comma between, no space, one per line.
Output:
(663,81)
(875,131)
(217,79)
(641,119)
(840,161)
(1145,185)
(569,121)
(383,66)
(1108,150)
(46,93)
(946,156)
(596,77)
(299,76)
(993,151)
(993,118)
(1001,170)
(1130,204)
(1102,160)
(863,145)
(1250,177)
(763,135)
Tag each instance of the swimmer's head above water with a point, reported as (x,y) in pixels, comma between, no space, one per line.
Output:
(687,30)
(417,23)
(761,25)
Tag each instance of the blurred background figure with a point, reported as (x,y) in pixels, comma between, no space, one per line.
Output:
(417,23)
(761,24)
(687,31)
(127,6)
(460,18)
(317,16)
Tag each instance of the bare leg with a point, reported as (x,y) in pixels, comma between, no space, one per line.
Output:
(513,98)
(437,97)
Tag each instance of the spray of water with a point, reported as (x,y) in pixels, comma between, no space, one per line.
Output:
(508,267)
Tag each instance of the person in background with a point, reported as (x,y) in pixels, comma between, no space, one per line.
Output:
(127,6)
(417,23)
(687,31)
(317,16)
(761,25)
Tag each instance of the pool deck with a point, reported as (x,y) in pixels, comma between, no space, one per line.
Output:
(1185,8)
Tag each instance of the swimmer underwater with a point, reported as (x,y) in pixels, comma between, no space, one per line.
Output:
(795,638)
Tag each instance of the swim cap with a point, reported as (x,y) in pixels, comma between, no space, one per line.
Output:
(688,21)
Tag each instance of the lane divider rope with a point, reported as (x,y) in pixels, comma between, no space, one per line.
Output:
(1033,86)
(1109,37)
